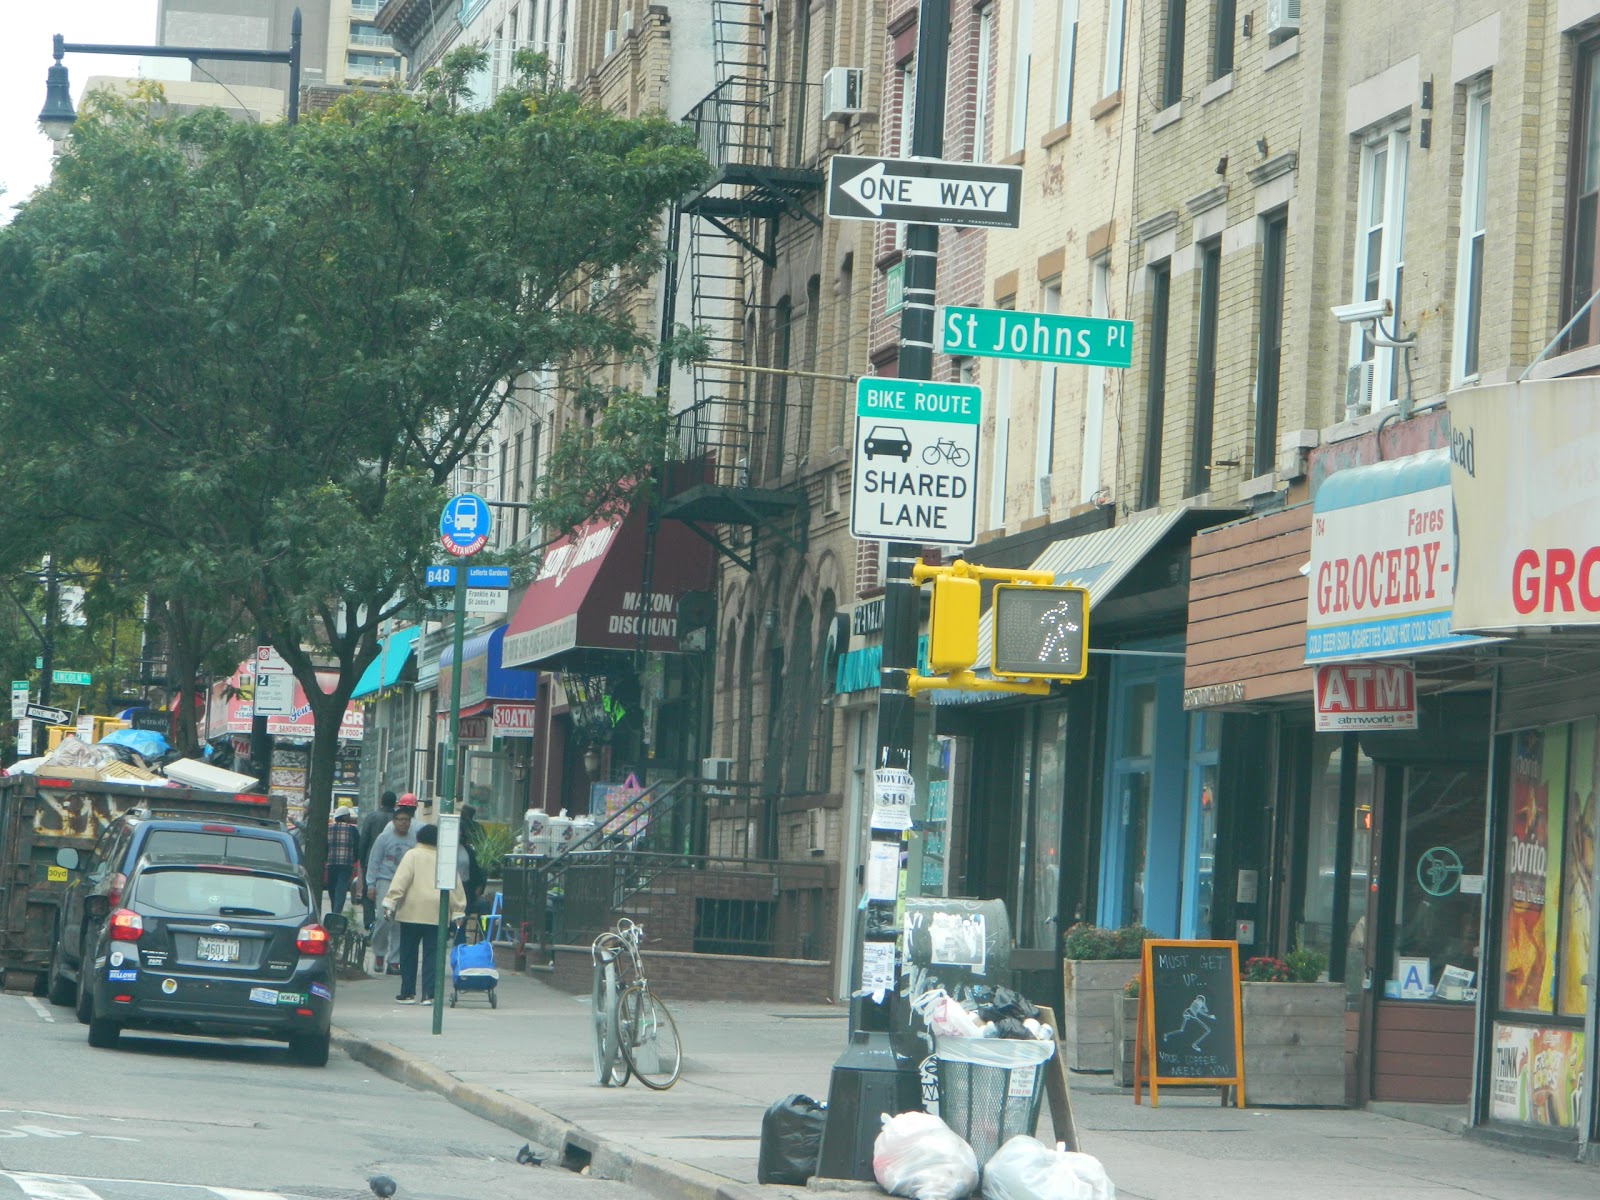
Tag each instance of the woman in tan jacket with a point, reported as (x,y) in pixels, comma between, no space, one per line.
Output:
(413,901)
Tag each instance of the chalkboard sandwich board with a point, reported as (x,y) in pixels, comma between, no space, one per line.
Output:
(1190,1030)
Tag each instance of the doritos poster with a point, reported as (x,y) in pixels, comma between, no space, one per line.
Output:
(1577,892)
(1533,868)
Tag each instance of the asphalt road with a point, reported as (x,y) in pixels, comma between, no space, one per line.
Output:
(167,1118)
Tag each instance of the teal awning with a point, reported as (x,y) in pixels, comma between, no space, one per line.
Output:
(384,671)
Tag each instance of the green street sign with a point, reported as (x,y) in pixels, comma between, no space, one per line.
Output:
(1041,337)
(76,678)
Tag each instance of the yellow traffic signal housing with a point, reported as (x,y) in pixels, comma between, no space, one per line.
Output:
(953,624)
(1040,632)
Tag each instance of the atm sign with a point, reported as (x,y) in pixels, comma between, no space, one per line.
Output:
(1357,697)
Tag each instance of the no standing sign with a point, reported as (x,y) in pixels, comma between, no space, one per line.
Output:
(916,462)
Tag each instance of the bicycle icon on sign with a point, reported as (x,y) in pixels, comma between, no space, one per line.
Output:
(946,450)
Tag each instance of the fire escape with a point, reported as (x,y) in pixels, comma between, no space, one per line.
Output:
(730,436)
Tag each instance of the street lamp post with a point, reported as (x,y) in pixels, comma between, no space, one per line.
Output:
(56,118)
(57,115)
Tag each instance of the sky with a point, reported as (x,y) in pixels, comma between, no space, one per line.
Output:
(25,59)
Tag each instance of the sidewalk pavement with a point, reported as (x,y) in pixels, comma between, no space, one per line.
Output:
(527,1067)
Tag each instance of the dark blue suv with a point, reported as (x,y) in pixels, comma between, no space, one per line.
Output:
(249,828)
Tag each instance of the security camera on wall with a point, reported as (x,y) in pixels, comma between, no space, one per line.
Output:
(1361,312)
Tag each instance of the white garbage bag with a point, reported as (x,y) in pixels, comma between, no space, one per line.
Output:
(1026,1169)
(919,1156)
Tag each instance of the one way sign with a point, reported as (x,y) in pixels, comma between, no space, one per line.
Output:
(924,191)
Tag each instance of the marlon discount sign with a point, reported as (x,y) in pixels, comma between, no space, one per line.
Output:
(916,465)
(1357,697)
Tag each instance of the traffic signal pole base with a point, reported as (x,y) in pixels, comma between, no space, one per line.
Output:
(872,1077)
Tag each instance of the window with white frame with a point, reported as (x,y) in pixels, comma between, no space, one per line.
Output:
(1000,459)
(1094,405)
(907,121)
(1022,40)
(1116,18)
(1469,263)
(1379,263)
(985,80)
(1066,61)
(1044,439)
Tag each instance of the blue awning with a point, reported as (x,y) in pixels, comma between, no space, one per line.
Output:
(384,671)
(483,678)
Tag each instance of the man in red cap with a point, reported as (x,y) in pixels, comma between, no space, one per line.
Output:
(381,864)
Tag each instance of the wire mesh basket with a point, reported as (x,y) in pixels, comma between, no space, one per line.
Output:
(990,1089)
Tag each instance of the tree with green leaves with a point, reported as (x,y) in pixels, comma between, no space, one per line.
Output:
(255,355)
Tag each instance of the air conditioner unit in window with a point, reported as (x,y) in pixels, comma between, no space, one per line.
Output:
(1358,389)
(1043,483)
(1283,19)
(717,770)
(843,92)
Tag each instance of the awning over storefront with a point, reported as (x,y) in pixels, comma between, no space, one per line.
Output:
(384,672)
(1097,561)
(589,591)
(1382,570)
(484,678)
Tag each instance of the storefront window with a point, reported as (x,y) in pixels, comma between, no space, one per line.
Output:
(1044,857)
(1201,828)
(1322,850)
(1441,886)
(1134,770)
(1577,865)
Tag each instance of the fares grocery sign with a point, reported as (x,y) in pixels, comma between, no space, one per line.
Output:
(1361,697)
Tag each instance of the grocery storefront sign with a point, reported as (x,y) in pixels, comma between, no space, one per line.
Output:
(1523,474)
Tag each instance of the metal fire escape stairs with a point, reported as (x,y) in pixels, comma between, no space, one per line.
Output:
(724,493)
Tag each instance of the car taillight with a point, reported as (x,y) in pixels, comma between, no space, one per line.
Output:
(312,939)
(126,925)
(114,888)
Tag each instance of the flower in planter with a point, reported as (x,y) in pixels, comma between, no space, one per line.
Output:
(1086,941)
(1131,988)
(1263,969)
(1305,965)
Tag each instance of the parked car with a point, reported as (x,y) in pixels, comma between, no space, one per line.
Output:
(222,829)
(202,947)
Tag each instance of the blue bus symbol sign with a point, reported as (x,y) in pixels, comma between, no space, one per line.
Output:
(464,524)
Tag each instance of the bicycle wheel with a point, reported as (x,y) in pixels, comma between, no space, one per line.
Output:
(959,457)
(649,1039)
(931,455)
(608,1062)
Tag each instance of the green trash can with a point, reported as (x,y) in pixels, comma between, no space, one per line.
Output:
(990,1089)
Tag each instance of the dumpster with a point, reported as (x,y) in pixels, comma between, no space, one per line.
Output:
(990,1089)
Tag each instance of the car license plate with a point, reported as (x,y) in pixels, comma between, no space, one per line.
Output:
(218,949)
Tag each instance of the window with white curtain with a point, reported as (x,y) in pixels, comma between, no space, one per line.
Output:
(980,103)
(1379,257)
(1469,263)
(1066,58)
(1116,18)
(1022,41)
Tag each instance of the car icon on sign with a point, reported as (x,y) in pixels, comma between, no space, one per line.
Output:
(890,441)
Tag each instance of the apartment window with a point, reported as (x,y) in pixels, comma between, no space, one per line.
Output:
(518,492)
(1116,19)
(1222,22)
(1469,264)
(1044,440)
(1155,393)
(1269,337)
(908,125)
(1066,60)
(985,81)
(1172,53)
(1379,262)
(1094,405)
(1205,367)
(1004,370)
(1023,41)
(1583,209)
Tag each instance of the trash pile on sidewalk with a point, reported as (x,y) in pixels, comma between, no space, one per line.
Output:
(991,1051)
(136,756)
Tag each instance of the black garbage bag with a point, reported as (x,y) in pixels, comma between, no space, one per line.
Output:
(791,1140)
(1007,1003)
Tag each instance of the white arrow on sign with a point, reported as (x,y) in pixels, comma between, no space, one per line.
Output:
(872,189)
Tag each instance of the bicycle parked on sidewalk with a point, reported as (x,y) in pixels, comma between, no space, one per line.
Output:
(634,1034)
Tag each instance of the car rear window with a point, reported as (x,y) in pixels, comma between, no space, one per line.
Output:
(219,894)
(220,846)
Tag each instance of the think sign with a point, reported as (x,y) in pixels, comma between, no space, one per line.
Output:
(1361,697)
(916,462)
(1041,337)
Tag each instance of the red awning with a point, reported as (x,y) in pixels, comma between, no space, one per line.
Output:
(589,590)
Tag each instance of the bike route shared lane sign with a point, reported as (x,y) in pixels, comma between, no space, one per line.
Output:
(916,462)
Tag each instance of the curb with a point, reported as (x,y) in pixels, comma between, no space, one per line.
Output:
(576,1148)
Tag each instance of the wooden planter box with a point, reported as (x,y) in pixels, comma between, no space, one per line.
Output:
(1124,1031)
(1090,987)
(1294,1044)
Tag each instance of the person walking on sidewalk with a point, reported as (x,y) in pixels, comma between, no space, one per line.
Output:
(371,825)
(343,843)
(387,851)
(413,900)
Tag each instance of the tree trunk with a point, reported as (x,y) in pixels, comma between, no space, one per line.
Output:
(327,712)
(182,665)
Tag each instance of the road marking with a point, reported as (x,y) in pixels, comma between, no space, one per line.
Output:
(38,1007)
(51,1187)
(43,1131)
(62,1187)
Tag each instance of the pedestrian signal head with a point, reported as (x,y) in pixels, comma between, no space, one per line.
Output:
(953,624)
(1040,632)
